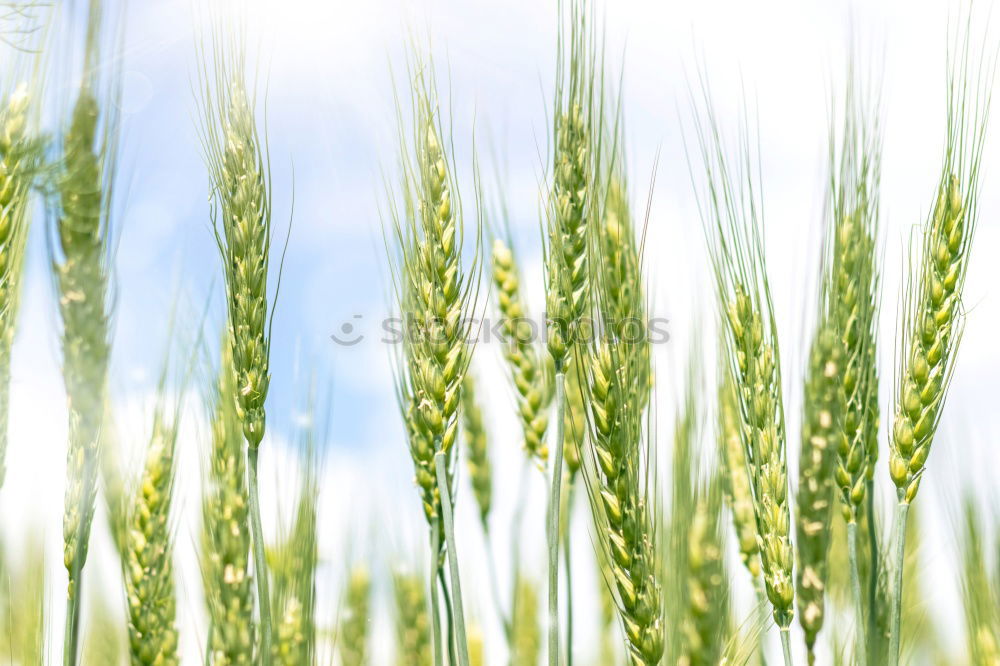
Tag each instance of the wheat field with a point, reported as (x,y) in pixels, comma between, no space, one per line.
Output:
(579,332)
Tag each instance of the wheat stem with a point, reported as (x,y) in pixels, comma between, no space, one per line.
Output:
(449,535)
(569,574)
(450,635)
(852,555)
(72,631)
(260,561)
(435,603)
(491,564)
(786,645)
(553,528)
(873,567)
(896,593)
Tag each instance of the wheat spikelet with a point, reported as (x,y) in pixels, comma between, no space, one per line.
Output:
(822,430)
(413,645)
(477,451)
(574,422)
(353,637)
(225,533)
(20,157)
(149,570)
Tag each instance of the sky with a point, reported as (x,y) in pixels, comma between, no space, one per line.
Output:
(328,72)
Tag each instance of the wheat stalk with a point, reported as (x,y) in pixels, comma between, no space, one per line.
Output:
(933,315)
(225,536)
(239,179)
(148,565)
(568,237)
(730,211)
(86,171)
(436,298)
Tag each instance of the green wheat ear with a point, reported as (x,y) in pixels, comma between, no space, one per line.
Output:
(148,565)
(822,430)
(528,372)
(81,260)
(526,645)
(620,480)
(294,564)
(477,449)
(353,636)
(980,590)
(434,292)
(21,154)
(933,315)
(731,211)
(240,196)
(412,620)
(225,531)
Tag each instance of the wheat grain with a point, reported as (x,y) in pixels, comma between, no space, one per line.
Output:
(149,569)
